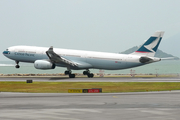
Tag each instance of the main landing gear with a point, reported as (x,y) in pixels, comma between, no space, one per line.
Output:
(87,72)
(17,64)
(68,72)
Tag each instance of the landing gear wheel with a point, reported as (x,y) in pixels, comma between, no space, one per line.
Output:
(85,72)
(66,72)
(72,75)
(17,66)
(91,75)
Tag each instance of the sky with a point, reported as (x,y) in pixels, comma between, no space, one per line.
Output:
(93,25)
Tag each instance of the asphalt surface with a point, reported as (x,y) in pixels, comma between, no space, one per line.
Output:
(87,106)
(96,79)
(100,106)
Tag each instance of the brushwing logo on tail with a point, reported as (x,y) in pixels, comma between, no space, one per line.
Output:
(150,45)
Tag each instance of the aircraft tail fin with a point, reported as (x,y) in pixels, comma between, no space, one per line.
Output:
(150,46)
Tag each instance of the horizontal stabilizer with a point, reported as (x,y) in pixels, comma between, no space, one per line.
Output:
(168,58)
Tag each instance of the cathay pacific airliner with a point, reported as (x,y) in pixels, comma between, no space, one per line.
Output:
(50,58)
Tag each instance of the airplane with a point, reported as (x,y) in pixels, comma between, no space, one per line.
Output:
(48,58)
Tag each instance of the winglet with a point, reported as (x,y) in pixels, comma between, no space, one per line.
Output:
(51,48)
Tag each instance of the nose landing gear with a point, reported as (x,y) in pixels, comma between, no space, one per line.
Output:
(17,64)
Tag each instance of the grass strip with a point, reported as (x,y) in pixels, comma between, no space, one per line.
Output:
(107,87)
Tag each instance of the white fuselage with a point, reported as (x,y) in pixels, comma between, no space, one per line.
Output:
(85,59)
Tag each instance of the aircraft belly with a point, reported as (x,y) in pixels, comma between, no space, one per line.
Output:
(107,64)
(133,64)
(82,63)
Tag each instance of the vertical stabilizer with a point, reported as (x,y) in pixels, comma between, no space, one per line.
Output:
(150,47)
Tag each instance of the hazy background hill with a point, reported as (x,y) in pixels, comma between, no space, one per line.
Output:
(159,53)
(171,45)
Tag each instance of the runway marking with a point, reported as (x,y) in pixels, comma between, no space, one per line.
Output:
(158,112)
(115,97)
(47,114)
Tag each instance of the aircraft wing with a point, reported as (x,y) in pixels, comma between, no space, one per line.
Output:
(55,58)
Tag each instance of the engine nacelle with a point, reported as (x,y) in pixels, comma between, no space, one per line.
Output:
(43,64)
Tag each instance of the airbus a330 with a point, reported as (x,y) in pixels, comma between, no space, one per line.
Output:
(49,58)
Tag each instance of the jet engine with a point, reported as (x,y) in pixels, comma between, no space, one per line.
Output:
(43,64)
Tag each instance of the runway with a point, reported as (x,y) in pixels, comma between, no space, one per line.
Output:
(96,79)
(102,106)
(87,106)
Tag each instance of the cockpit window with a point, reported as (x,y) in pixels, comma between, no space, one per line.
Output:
(6,52)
